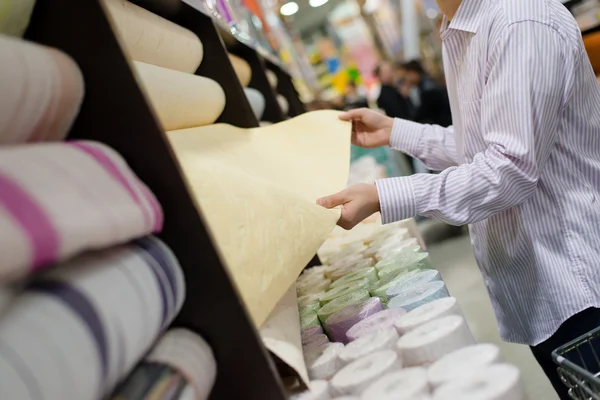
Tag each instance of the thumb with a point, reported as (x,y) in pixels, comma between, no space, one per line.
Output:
(334,200)
(352,114)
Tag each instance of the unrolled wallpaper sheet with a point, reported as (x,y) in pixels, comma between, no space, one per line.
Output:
(257,189)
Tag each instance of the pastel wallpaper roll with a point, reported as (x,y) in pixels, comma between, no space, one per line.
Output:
(59,199)
(42,91)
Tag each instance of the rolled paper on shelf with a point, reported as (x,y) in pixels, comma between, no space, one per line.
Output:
(340,272)
(380,288)
(412,243)
(315,287)
(317,390)
(180,100)
(257,102)
(14,17)
(418,295)
(316,340)
(355,377)
(463,363)
(42,90)
(341,302)
(151,39)
(309,308)
(496,382)
(384,339)
(272,78)
(406,384)
(309,299)
(433,340)
(402,262)
(264,123)
(338,324)
(309,331)
(349,254)
(309,319)
(323,363)
(418,279)
(428,312)
(283,104)
(309,279)
(344,290)
(242,69)
(182,360)
(382,320)
(369,273)
(60,199)
(92,317)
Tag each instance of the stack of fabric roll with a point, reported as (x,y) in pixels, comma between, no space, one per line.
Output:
(85,289)
(281,100)
(379,324)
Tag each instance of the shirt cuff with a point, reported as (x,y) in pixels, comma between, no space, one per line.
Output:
(396,199)
(406,136)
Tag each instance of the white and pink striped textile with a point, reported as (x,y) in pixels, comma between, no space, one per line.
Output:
(59,199)
(41,91)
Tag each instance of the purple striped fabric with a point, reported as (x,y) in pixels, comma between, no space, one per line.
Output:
(521,164)
(60,199)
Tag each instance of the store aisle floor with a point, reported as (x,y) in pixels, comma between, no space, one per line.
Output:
(454,259)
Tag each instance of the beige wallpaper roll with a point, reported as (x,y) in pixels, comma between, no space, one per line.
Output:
(242,69)
(180,100)
(149,38)
(41,90)
(14,16)
(257,189)
(272,78)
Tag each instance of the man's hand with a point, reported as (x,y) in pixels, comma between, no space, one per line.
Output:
(358,202)
(369,128)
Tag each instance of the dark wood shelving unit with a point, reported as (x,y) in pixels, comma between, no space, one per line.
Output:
(115,112)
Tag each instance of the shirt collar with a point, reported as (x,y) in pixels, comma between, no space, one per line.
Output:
(466,19)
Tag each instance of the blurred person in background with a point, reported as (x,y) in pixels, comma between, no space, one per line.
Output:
(353,98)
(429,99)
(521,166)
(390,99)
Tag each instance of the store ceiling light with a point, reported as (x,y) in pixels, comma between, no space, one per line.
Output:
(317,3)
(290,8)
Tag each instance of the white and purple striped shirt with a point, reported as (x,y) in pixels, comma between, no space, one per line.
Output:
(521,164)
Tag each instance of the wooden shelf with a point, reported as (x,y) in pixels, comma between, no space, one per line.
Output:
(115,112)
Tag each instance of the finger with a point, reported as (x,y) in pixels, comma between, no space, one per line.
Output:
(334,200)
(352,114)
(347,219)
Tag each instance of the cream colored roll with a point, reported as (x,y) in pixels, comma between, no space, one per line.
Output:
(407,243)
(384,339)
(242,69)
(433,340)
(14,16)
(41,90)
(309,299)
(257,102)
(148,38)
(317,287)
(421,315)
(272,78)
(317,390)
(495,382)
(355,377)
(463,363)
(181,100)
(324,363)
(407,384)
(191,356)
(358,274)
(283,104)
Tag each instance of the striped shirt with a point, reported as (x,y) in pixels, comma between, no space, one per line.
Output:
(521,165)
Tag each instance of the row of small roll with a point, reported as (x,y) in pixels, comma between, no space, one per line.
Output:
(379,324)
(165,57)
(87,293)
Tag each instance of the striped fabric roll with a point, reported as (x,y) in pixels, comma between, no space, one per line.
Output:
(180,367)
(59,199)
(42,90)
(80,328)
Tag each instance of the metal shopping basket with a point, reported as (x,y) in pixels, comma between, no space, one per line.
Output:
(579,366)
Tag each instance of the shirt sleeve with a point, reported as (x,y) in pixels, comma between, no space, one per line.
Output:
(521,106)
(432,144)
